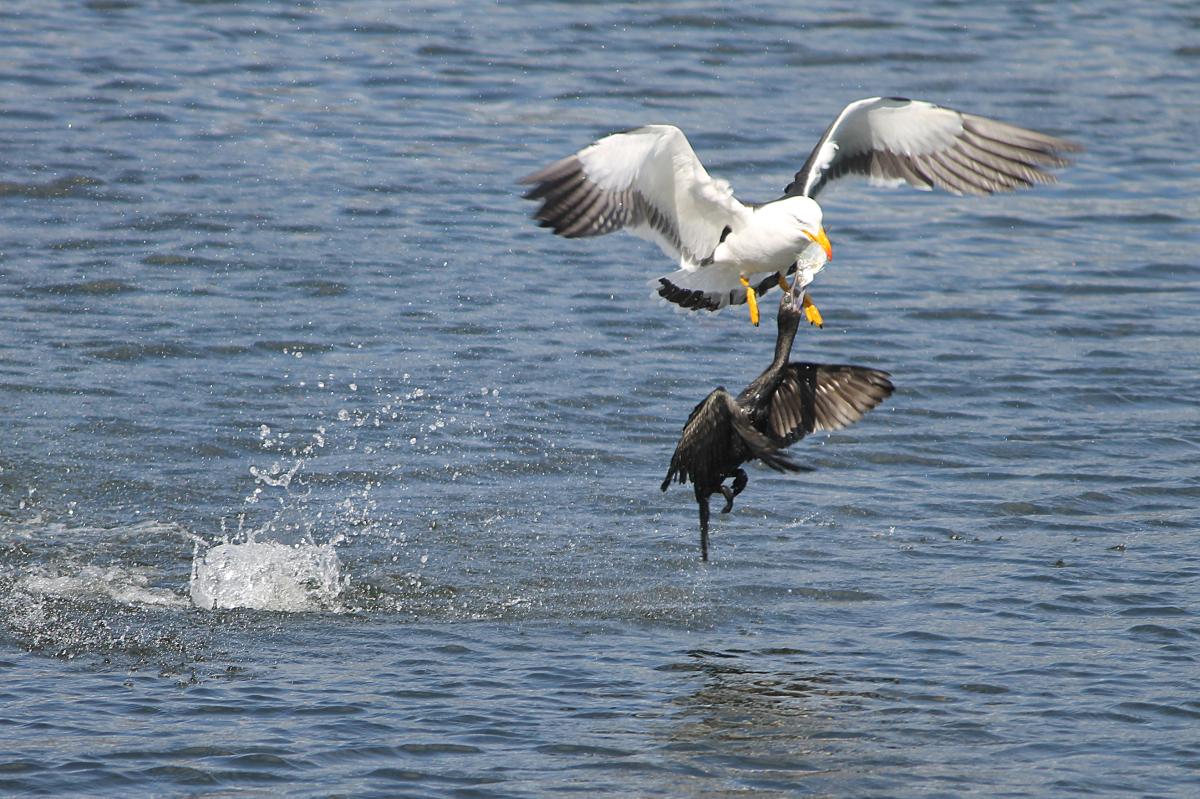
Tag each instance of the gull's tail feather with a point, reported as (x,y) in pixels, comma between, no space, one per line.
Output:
(709,289)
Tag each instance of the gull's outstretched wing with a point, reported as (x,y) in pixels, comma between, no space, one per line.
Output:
(648,181)
(894,140)
(815,396)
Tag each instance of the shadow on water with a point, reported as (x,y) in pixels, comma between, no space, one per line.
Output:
(769,721)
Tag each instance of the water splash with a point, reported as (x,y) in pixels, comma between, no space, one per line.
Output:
(113,583)
(84,591)
(267,575)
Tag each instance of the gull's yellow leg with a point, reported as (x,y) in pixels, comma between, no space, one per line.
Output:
(811,313)
(751,300)
(783,284)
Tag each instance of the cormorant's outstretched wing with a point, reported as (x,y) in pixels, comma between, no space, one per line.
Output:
(815,396)
(647,180)
(894,140)
(708,449)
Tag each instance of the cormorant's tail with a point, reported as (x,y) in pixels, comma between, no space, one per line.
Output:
(766,450)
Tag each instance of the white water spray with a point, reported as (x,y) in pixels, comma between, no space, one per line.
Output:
(266,575)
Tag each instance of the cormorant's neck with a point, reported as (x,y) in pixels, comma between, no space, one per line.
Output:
(789,323)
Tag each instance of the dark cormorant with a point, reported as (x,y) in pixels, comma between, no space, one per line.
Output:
(783,404)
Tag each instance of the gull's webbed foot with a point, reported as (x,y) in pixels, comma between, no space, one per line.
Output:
(811,313)
(751,300)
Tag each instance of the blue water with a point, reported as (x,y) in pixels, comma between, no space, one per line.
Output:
(265,275)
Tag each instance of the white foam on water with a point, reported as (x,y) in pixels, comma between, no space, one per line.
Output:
(120,585)
(267,575)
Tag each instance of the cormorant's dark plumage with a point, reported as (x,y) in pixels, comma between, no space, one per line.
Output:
(783,404)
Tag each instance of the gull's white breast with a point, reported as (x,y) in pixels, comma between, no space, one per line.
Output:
(769,241)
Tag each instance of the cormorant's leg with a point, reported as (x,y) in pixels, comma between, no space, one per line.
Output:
(751,300)
(729,495)
(703,503)
(810,312)
(739,483)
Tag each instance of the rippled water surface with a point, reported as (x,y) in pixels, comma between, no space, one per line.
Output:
(266,279)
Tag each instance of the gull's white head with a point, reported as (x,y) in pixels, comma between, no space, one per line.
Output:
(804,213)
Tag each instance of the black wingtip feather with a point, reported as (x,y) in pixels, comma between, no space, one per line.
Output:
(691,299)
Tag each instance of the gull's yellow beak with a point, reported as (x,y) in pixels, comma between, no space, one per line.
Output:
(823,240)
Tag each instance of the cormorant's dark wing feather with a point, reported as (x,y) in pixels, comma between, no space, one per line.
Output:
(813,397)
(894,140)
(706,441)
(708,447)
(761,447)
